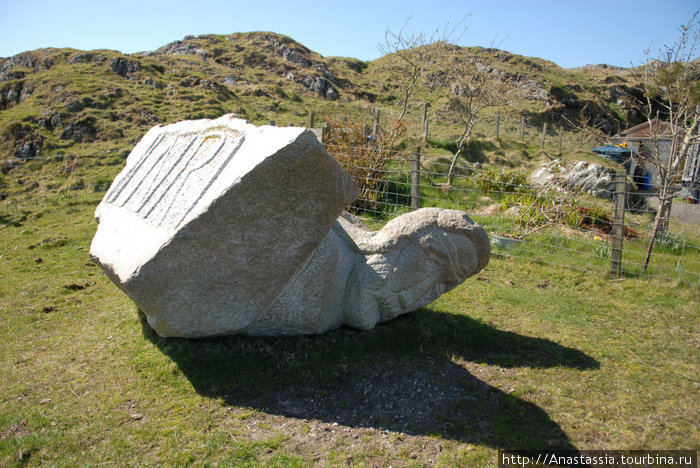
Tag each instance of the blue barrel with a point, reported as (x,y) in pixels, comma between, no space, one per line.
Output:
(645,184)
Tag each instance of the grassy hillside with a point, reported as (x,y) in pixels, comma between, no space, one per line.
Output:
(67,101)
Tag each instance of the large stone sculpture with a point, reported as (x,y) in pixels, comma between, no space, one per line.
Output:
(218,227)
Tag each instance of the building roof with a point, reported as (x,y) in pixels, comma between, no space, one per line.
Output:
(644,130)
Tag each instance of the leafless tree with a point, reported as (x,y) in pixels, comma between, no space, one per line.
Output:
(475,83)
(412,55)
(672,103)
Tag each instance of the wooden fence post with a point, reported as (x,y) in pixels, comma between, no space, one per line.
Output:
(271,123)
(312,118)
(580,143)
(522,128)
(325,130)
(561,136)
(618,228)
(375,127)
(415,179)
(424,122)
(544,134)
(498,123)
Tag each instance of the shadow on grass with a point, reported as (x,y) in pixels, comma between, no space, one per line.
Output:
(400,377)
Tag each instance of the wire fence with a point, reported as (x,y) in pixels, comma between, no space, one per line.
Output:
(545,224)
(547,131)
(538,131)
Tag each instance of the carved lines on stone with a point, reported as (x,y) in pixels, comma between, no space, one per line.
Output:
(176,167)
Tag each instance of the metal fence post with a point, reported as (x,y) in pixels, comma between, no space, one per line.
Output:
(618,228)
(415,179)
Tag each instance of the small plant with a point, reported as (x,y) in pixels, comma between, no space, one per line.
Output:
(602,250)
(679,266)
(671,243)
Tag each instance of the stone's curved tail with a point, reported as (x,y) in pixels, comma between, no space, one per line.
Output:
(410,262)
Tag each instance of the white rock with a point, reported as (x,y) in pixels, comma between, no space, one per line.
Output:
(209,220)
(220,227)
(580,176)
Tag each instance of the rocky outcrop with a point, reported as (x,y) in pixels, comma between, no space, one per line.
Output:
(292,56)
(30,60)
(281,46)
(80,130)
(580,176)
(182,48)
(218,227)
(16,93)
(50,121)
(124,67)
(29,149)
(323,85)
(531,88)
(87,57)
(320,86)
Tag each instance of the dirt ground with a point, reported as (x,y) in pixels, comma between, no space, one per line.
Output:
(682,210)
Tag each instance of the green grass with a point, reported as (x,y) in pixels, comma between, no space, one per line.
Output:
(536,356)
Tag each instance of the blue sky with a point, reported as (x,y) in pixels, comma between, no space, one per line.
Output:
(569,33)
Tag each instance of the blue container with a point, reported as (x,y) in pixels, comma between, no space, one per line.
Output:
(645,183)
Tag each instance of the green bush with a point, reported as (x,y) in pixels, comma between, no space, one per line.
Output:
(497,179)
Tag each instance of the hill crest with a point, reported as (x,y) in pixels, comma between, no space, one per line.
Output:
(66,100)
